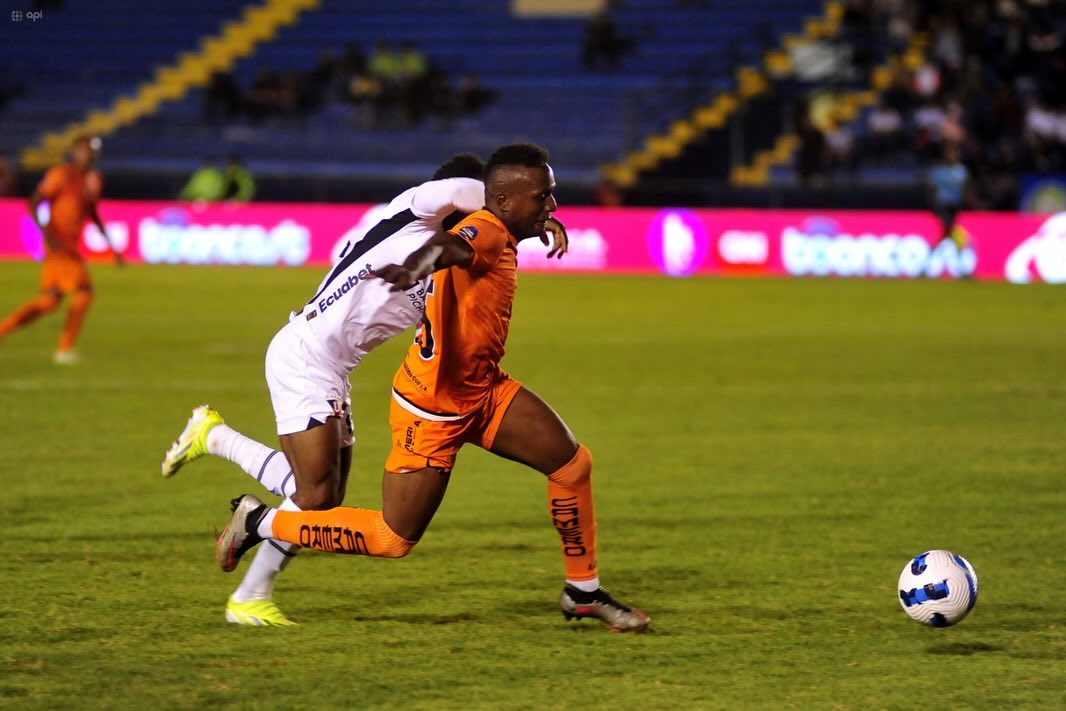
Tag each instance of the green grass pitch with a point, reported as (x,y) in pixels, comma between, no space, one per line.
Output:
(769,454)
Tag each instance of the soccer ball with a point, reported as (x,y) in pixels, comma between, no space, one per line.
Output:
(938,588)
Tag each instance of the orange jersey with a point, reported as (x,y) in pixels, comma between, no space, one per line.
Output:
(451,367)
(71,195)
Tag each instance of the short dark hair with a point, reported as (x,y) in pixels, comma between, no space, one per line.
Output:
(461,165)
(523,154)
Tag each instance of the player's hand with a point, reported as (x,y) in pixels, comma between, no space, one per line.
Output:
(398,275)
(560,240)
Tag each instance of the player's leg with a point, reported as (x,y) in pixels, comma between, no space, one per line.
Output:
(81,299)
(206,432)
(45,302)
(530,432)
(411,498)
(413,486)
(252,602)
(313,413)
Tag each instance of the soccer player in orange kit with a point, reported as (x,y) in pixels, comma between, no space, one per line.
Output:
(72,190)
(451,391)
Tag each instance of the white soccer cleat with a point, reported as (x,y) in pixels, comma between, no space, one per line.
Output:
(240,534)
(599,604)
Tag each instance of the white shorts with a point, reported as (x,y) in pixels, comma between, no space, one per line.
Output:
(306,388)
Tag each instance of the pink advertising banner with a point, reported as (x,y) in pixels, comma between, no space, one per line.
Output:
(676,242)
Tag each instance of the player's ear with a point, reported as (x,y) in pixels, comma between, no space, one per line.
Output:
(502,203)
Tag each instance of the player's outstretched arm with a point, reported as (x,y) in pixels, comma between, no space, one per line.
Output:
(442,251)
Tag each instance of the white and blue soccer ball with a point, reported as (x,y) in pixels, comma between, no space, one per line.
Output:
(938,588)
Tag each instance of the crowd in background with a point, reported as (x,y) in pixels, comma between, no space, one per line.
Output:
(991,83)
(392,85)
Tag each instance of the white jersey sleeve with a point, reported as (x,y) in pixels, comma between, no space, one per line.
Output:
(440,198)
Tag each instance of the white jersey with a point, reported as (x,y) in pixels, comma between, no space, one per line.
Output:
(350,314)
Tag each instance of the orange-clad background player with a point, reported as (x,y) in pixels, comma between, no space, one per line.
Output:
(72,191)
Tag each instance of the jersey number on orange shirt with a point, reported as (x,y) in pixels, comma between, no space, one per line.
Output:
(427,346)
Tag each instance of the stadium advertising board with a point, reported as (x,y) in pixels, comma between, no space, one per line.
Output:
(673,241)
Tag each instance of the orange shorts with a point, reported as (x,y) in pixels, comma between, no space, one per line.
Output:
(64,274)
(418,443)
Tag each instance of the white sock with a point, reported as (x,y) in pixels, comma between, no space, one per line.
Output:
(271,558)
(266,524)
(585,585)
(267,466)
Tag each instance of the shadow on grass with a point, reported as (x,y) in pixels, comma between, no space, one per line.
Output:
(964,649)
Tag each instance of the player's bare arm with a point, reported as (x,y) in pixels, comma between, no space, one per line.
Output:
(95,217)
(442,251)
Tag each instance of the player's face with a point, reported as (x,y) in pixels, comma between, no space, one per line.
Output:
(83,154)
(531,202)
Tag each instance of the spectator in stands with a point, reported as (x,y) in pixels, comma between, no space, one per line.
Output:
(239,186)
(384,68)
(602,43)
(265,97)
(207,184)
(324,82)
(9,180)
(840,147)
(364,92)
(292,94)
(412,69)
(1041,134)
(222,99)
(471,95)
(811,156)
(884,130)
(928,121)
(353,61)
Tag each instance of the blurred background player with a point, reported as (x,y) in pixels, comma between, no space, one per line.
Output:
(451,391)
(72,191)
(949,192)
(308,366)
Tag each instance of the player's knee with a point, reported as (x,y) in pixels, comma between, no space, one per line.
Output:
(48,301)
(575,472)
(81,298)
(317,498)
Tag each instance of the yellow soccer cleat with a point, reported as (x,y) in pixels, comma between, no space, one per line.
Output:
(256,613)
(191,444)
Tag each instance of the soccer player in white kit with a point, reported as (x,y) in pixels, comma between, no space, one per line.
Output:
(307,368)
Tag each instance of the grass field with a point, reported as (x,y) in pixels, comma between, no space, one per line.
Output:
(768,455)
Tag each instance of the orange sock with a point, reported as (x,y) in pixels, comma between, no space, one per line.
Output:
(572,512)
(341,530)
(29,311)
(79,306)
